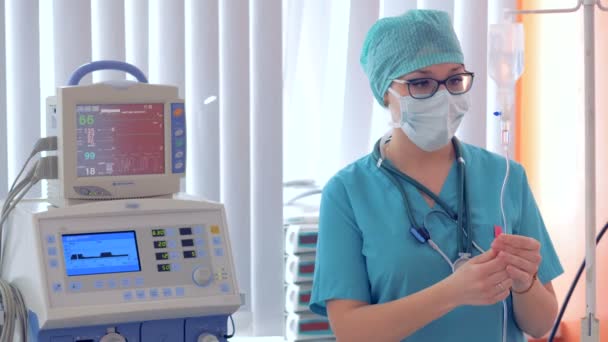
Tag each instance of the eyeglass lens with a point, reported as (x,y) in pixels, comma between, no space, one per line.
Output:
(421,88)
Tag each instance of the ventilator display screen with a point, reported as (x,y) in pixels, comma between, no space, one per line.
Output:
(99,253)
(120,139)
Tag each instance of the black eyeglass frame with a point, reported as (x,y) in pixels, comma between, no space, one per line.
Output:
(439,83)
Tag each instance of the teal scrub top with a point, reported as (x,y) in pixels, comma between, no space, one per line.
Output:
(365,251)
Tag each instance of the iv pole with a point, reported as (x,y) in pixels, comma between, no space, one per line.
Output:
(589,324)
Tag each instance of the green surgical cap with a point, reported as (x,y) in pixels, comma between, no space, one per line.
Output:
(396,46)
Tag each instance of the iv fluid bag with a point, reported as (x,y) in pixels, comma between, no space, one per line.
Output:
(506,53)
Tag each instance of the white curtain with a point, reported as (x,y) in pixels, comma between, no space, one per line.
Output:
(331,118)
(108,35)
(3,115)
(204,48)
(22,81)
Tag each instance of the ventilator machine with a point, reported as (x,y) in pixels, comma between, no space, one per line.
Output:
(115,253)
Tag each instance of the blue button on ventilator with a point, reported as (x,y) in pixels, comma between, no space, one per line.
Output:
(141,294)
(112,283)
(154,293)
(75,286)
(127,295)
(179,291)
(167,292)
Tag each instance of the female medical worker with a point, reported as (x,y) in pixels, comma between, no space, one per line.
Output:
(378,276)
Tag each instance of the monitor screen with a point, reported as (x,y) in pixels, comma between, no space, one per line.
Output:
(120,139)
(99,253)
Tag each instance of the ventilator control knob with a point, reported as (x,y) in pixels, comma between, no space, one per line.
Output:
(202,276)
(112,336)
(207,338)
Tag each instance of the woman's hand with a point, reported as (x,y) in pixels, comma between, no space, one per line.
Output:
(522,255)
(483,280)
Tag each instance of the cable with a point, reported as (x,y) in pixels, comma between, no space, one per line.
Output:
(6,214)
(22,312)
(46,168)
(233,329)
(6,208)
(572,288)
(18,187)
(504,138)
(11,299)
(42,145)
(504,130)
(445,257)
(502,191)
(45,144)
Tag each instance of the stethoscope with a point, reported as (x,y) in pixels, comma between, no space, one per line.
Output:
(462,217)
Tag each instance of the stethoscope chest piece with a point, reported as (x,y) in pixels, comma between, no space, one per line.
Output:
(463,259)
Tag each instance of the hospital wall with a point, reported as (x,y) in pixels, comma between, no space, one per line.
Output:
(550,143)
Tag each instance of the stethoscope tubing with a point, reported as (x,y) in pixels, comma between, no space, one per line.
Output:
(463,208)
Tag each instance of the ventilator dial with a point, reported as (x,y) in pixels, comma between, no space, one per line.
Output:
(202,276)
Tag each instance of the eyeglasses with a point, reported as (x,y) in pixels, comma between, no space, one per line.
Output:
(423,88)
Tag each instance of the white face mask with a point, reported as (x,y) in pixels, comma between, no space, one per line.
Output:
(431,123)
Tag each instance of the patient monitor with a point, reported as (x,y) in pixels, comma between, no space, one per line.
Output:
(117,139)
(141,269)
